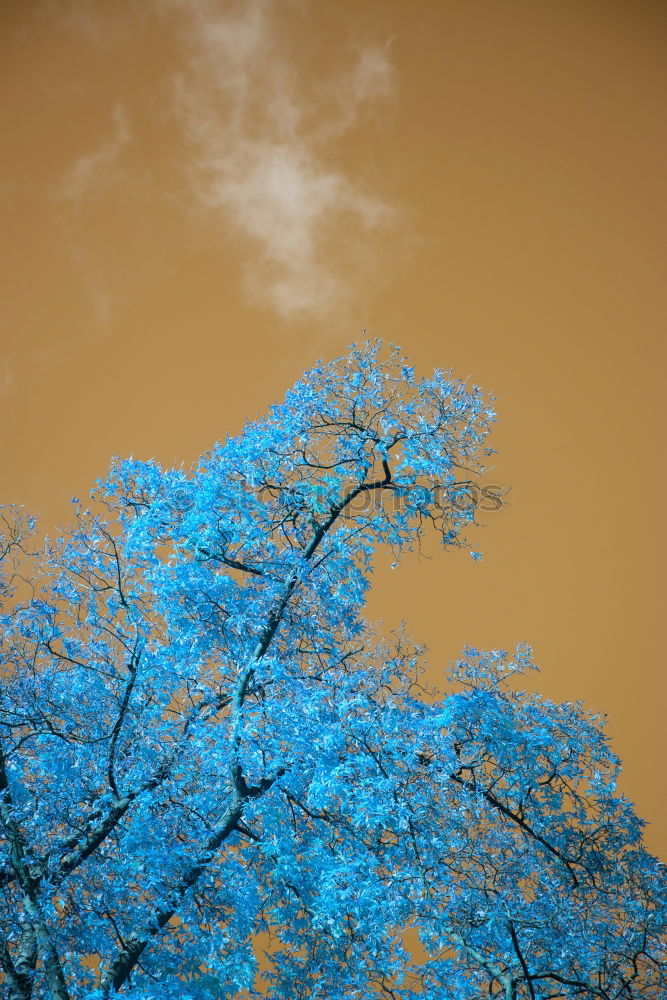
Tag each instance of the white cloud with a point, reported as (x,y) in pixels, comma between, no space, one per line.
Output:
(96,169)
(262,157)
(101,303)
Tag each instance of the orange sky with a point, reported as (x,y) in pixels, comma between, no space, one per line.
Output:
(201,198)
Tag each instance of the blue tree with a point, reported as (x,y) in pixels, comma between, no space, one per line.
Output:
(206,751)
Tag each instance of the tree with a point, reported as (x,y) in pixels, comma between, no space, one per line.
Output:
(206,750)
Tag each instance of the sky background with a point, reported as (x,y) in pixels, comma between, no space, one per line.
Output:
(200,199)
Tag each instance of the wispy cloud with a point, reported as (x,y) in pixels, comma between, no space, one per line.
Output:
(262,154)
(97,169)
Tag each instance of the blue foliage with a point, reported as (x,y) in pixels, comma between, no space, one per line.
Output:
(208,757)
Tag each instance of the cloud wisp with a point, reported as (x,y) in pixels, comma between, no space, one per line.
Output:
(261,153)
(98,168)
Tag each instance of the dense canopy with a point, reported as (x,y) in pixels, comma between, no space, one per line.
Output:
(217,780)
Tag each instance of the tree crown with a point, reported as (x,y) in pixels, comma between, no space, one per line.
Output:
(205,747)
